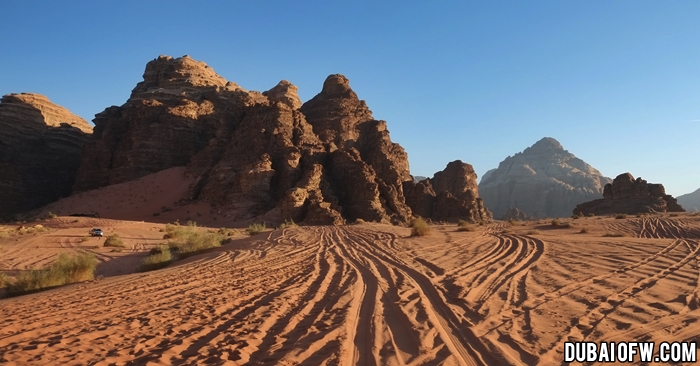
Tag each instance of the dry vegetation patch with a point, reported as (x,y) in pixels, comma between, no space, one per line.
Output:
(465,226)
(66,269)
(419,227)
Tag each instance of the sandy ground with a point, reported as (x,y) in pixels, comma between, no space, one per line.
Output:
(365,295)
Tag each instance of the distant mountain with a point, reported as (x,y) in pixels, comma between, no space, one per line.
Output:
(418,178)
(690,201)
(542,181)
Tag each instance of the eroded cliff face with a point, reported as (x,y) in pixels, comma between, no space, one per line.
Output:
(626,195)
(542,181)
(40,145)
(251,153)
(451,195)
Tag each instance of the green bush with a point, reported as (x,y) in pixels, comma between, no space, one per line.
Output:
(256,229)
(52,215)
(66,269)
(190,241)
(159,257)
(620,216)
(583,231)
(114,241)
(419,227)
(556,222)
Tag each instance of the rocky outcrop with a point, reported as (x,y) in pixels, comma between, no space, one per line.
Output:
(40,145)
(690,201)
(542,181)
(322,162)
(625,195)
(514,213)
(451,195)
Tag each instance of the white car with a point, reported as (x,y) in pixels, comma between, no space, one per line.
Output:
(96,232)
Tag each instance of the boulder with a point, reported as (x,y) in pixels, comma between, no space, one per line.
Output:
(626,195)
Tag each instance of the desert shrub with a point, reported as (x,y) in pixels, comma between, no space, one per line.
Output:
(4,234)
(419,227)
(3,280)
(620,216)
(52,215)
(66,269)
(159,257)
(174,231)
(465,226)
(591,214)
(190,241)
(534,232)
(84,239)
(583,231)
(254,229)
(359,221)
(576,216)
(288,223)
(673,215)
(613,235)
(511,222)
(114,241)
(24,230)
(556,222)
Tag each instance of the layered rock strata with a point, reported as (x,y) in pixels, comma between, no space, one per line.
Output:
(626,195)
(542,181)
(40,146)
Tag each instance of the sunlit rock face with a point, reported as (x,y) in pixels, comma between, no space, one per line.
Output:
(325,161)
(542,181)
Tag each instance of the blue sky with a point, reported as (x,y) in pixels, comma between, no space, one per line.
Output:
(617,83)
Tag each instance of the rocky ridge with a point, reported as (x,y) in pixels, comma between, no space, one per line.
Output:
(253,154)
(451,195)
(625,195)
(542,181)
(40,145)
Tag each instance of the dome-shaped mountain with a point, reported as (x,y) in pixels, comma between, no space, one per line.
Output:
(542,181)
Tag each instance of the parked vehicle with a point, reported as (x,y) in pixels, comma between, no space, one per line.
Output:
(96,232)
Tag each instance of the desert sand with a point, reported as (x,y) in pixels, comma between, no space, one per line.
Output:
(361,295)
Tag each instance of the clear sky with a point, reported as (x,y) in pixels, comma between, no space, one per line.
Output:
(616,82)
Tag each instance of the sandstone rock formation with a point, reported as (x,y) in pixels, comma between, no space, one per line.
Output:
(250,153)
(625,195)
(543,181)
(514,213)
(690,201)
(451,195)
(40,145)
